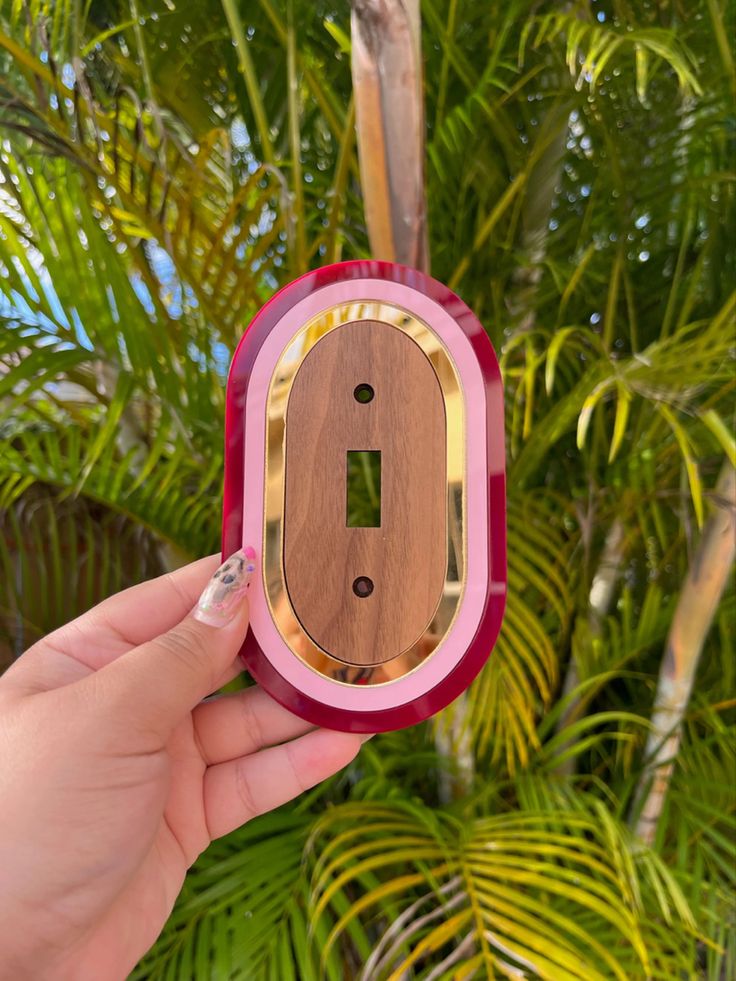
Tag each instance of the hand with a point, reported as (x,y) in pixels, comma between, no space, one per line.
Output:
(115,776)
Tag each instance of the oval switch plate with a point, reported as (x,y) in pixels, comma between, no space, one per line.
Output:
(365,463)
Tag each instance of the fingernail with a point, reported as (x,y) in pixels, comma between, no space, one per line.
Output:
(224,593)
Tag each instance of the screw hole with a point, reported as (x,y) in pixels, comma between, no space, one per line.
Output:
(363,587)
(363,394)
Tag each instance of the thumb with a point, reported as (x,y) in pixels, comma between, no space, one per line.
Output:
(158,683)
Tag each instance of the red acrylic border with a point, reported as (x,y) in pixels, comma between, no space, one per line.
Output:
(485,637)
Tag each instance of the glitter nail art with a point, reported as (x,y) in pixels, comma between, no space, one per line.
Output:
(224,592)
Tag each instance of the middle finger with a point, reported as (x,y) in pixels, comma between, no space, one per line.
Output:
(229,726)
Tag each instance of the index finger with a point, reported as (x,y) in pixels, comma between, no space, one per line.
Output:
(144,611)
(132,617)
(113,628)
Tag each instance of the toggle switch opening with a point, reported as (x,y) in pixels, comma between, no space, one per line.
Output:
(363,481)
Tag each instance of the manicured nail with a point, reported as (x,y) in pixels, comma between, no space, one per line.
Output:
(224,593)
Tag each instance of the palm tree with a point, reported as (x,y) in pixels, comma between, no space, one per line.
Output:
(163,168)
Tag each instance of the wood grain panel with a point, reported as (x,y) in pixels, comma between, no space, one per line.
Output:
(406,557)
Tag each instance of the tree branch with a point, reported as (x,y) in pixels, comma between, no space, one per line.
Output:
(693,617)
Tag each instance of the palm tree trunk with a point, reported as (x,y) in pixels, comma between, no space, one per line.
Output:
(602,591)
(453,741)
(389,105)
(538,200)
(693,617)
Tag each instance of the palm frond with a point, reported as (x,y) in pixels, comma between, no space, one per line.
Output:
(590,48)
(173,497)
(520,679)
(243,913)
(521,891)
(58,558)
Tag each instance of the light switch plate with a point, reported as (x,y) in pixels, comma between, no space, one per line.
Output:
(365,464)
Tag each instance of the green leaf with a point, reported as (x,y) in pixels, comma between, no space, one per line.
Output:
(338,35)
(691,466)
